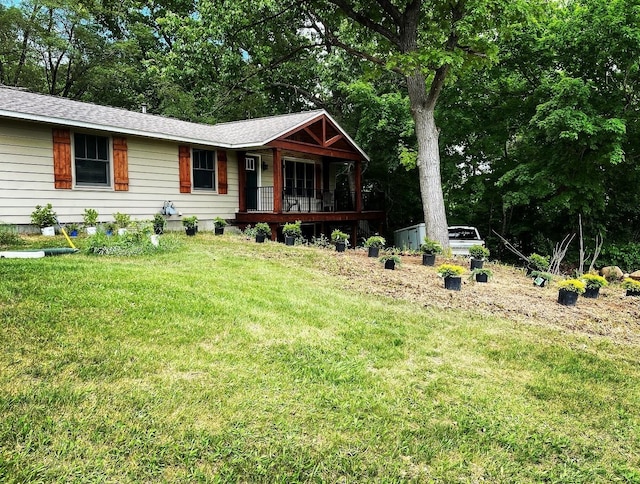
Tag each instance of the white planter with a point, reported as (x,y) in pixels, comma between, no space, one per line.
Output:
(48,231)
(91,230)
(122,231)
(155,240)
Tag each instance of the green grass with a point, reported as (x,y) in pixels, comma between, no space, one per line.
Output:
(232,361)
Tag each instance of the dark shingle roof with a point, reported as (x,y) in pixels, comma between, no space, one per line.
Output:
(19,104)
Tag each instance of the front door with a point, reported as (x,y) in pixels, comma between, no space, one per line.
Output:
(251,169)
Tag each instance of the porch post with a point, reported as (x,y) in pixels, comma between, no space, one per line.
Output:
(358,185)
(278,184)
(242,182)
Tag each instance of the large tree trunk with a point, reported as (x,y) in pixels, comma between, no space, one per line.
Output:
(422,110)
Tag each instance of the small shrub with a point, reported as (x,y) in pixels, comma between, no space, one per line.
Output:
(481,272)
(450,270)
(190,222)
(631,285)
(572,285)
(430,246)
(594,281)
(375,241)
(262,228)
(538,262)
(322,242)
(292,229)
(90,217)
(395,258)
(339,236)
(478,251)
(249,232)
(9,235)
(122,220)
(219,222)
(626,256)
(136,241)
(43,216)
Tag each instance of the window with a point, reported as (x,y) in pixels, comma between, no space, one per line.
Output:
(299,178)
(91,155)
(204,169)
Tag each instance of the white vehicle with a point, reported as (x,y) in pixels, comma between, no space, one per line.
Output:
(462,237)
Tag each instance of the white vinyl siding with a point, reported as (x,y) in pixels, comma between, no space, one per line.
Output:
(26,180)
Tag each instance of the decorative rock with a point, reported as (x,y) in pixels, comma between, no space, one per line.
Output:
(635,275)
(611,273)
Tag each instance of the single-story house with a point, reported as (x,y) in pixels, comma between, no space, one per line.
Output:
(275,169)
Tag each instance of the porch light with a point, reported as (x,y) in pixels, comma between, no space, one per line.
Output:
(264,165)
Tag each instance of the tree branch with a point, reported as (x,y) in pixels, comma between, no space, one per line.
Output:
(391,10)
(367,22)
(363,55)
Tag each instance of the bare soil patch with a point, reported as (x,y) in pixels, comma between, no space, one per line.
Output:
(509,294)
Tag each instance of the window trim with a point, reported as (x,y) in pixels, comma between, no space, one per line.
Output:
(216,175)
(92,186)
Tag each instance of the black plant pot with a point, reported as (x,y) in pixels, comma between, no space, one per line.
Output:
(341,246)
(289,240)
(390,264)
(260,238)
(374,251)
(567,298)
(591,292)
(218,230)
(428,259)
(633,293)
(453,283)
(191,231)
(482,278)
(476,263)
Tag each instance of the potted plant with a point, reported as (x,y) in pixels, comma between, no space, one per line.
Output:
(429,249)
(122,221)
(190,225)
(481,275)
(291,232)
(90,219)
(538,263)
(478,254)
(159,223)
(218,225)
(110,228)
(262,231)
(451,274)
(374,244)
(541,278)
(73,229)
(45,218)
(340,239)
(569,290)
(593,283)
(632,287)
(390,261)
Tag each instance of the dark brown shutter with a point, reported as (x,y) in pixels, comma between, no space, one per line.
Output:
(184,157)
(120,164)
(222,172)
(62,159)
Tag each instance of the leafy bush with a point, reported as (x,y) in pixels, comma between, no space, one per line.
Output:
(9,235)
(631,285)
(538,262)
(90,217)
(450,270)
(339,236)
(122,220)
(136,241)
(572,285)
(43,216)
(430,246)
(262,228)
(190,222)
(292,229)
(375,241)
(219,222)
(625,256)
(322,242)
(594,281)
(249,232)
(478,251)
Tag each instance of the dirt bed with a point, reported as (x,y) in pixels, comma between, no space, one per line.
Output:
(509,294)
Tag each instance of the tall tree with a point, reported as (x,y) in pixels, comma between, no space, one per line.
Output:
(426,43)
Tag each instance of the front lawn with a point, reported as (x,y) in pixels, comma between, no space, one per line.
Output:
(234,361)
